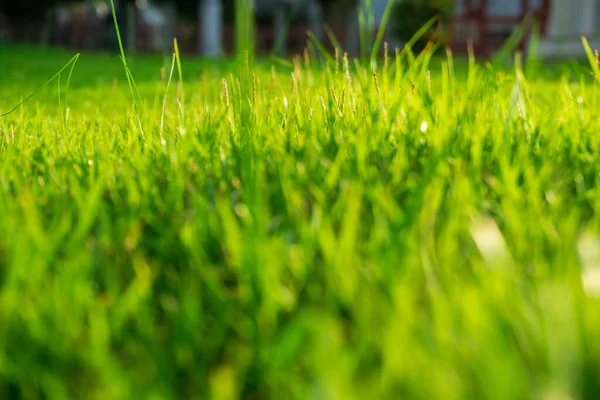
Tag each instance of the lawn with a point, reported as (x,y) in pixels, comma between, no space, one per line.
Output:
(425,229)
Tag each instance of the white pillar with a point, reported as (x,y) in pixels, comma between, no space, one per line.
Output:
(170,26)
(585,17)
(559,23)
(569,20)
(315,15)
(210,17)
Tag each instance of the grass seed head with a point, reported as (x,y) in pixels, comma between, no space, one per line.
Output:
(254,87)
(273,76)
(347,69)
(376,83)
(306,59)
(225,92)
(385,56)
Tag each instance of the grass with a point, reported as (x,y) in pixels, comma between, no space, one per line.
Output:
(430,231)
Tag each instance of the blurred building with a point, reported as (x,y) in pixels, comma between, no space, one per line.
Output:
(282,25)
(484,24)
(487,24)
(567,22)
(562,23)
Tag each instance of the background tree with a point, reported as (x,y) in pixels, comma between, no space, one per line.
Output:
(26,8)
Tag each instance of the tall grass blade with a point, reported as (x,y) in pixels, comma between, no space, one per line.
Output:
(130,80)
(244,29)
(591,58)
(511,44)
(332,38)
(164,105)
(319,45)
(180,94)
(55,76)
(532,65)
(418,35)
(382,27)
(280,40)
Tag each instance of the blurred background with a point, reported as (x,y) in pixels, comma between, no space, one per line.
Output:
(208,27)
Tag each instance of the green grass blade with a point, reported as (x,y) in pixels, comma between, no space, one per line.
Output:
(130,80)
(591,58)
(511,44)
(419,34)
(382,27)
(179,69)
(533,63)
(315,40)
(164,105)
(55,76)
(332,38)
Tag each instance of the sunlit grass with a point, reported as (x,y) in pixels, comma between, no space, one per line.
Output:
(422,229)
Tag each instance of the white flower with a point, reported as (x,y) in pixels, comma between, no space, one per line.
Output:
(588,246)
(491,244)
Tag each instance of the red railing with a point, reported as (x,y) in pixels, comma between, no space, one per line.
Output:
(476,20)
